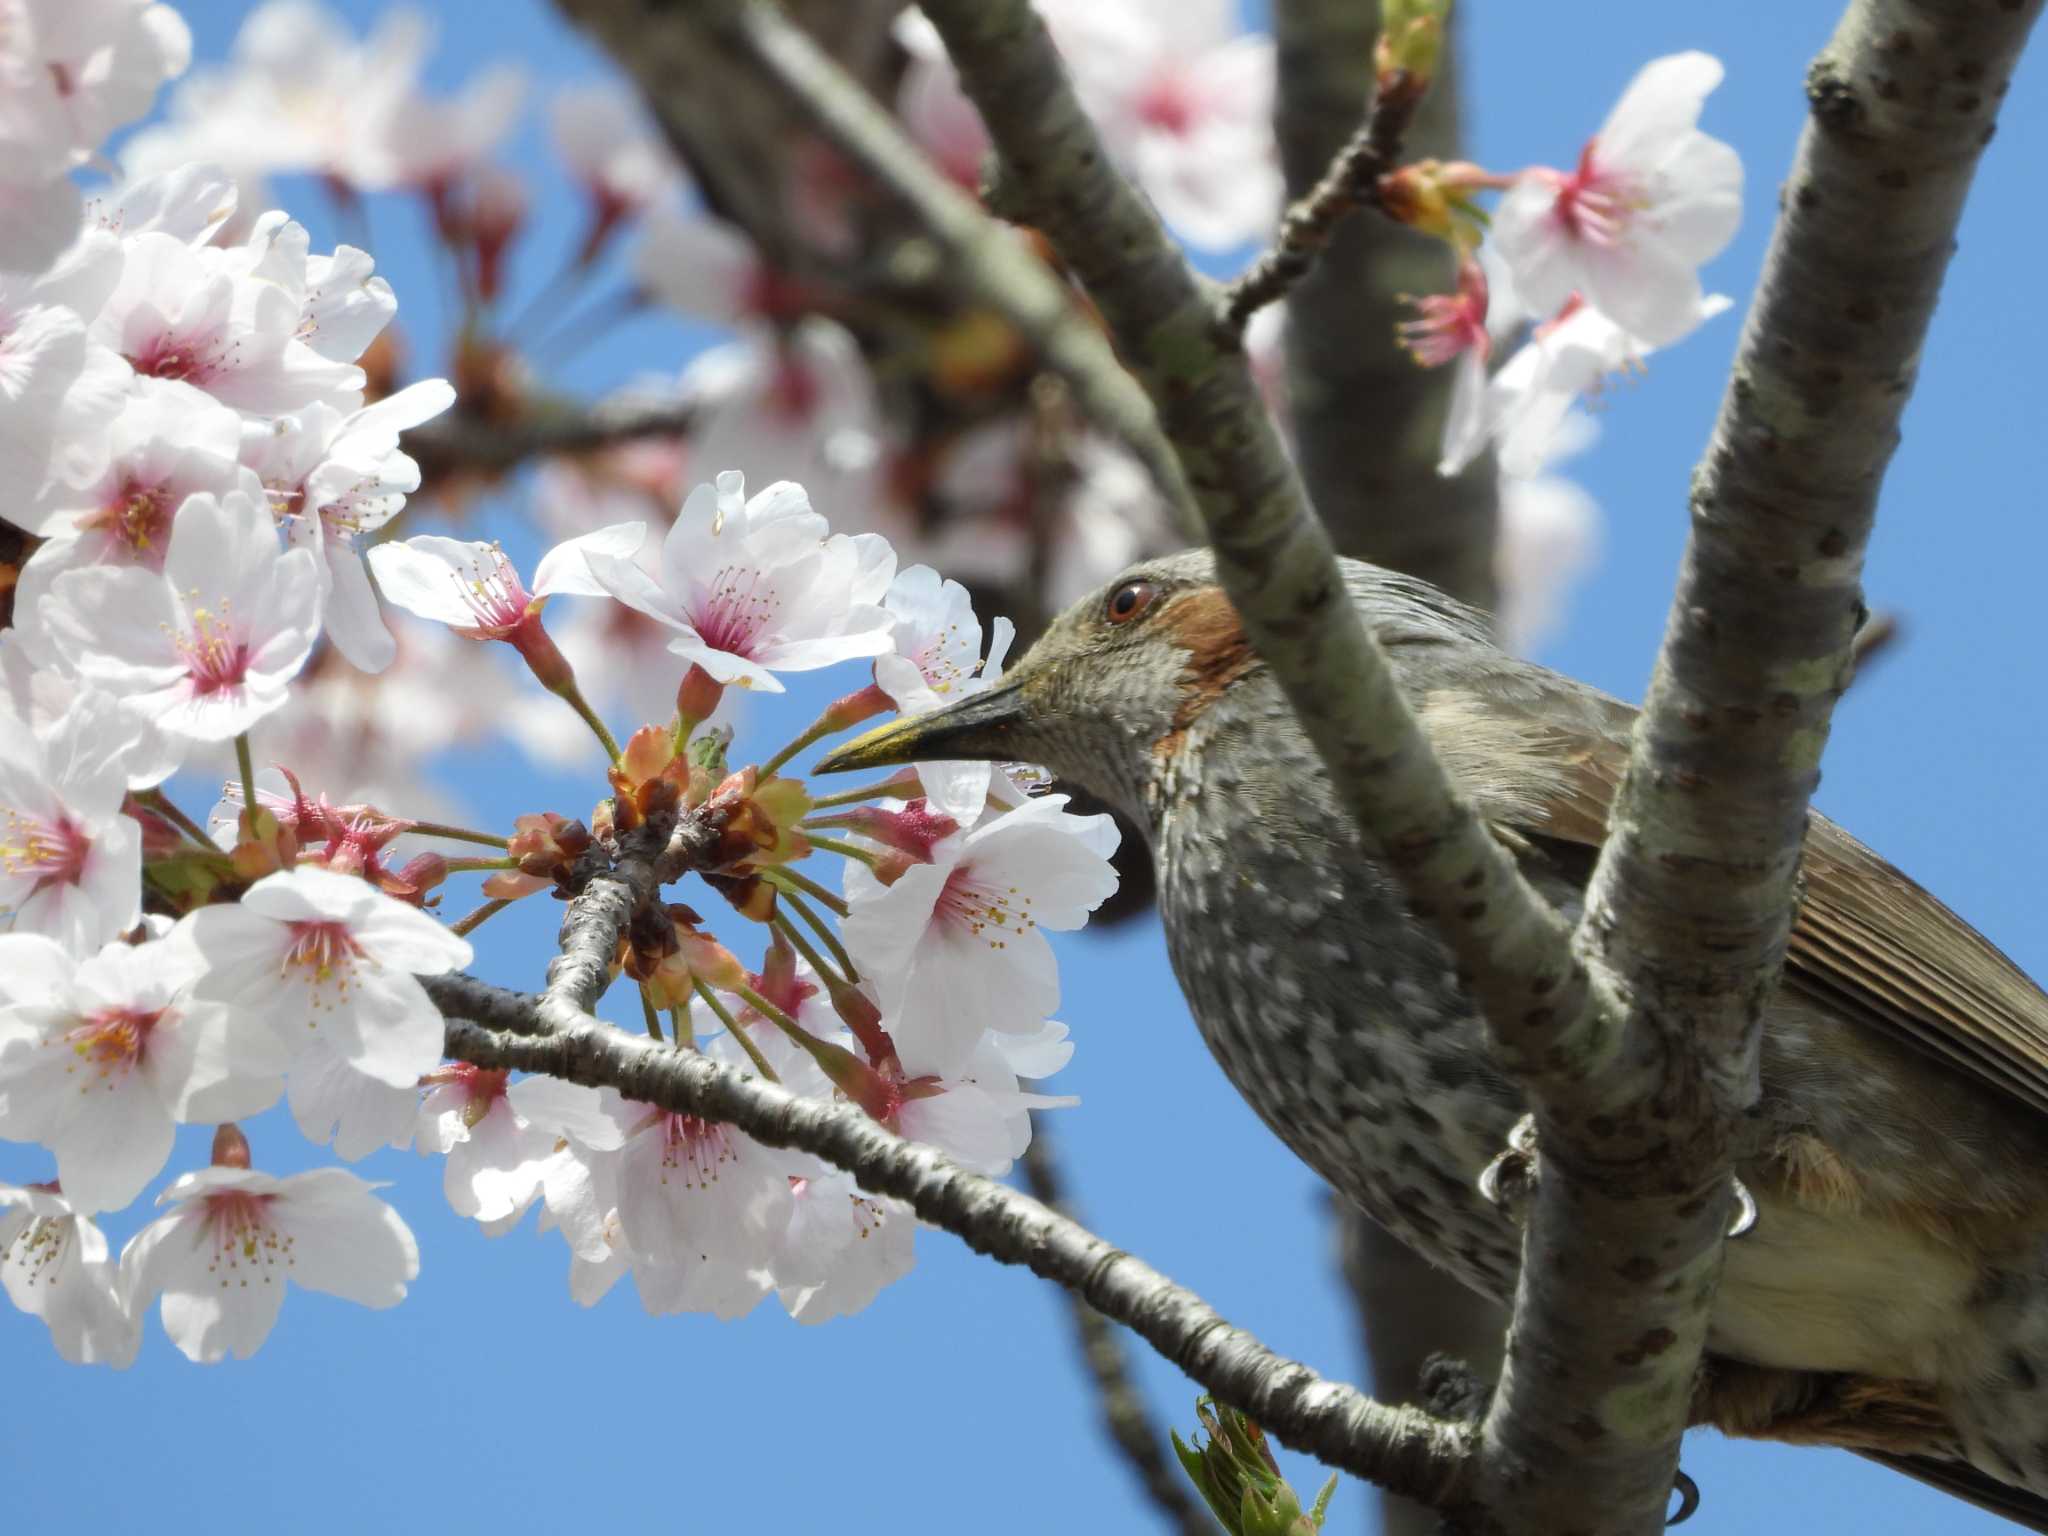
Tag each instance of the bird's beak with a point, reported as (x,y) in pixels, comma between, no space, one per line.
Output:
(980,728)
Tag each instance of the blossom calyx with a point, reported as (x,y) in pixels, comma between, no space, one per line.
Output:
(1437,199)
(757,820)
(649,779)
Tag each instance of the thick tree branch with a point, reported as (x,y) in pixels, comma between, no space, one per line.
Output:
(1125,1416)
(1391,507)
(609,890)
(1273,556)
(1400,1448)
(1692,900)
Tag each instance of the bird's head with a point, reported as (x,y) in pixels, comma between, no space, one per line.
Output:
(1114,686)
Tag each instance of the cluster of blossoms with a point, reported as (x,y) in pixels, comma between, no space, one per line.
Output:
(1587,272)
(202,463)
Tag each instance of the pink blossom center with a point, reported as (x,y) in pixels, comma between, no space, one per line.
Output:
(324,951)
(113,1040)
(246,1242)
(1594,203)
(793,390)
(496,595)
(136,521)
(693,1150)
(1168,103)
(740,606)
(194,359)
(215,655)
(982,908)
(49,852)
(1446,325)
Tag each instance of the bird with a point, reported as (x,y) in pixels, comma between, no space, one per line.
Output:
(1892,1294)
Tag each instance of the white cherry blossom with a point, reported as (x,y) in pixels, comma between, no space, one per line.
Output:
(221,1255)
(497,1137)
(1569,358)
(1185,99)
(955,946)
(338,475)
(937,659)
(70,862)
(316,951)
(98,1058)
(798,405)
(609,147)
(755,586)
(231,321)
(54,1265)
(208,646)
(476,591)
(335,1103)
(1651,200)
(840,1247)
(71,72)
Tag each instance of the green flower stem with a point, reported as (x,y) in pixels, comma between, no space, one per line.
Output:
(790,880)
(845,850)
(462,927)
(459,834)
(809,951)
(247,766)
(465,866)
(161,803)
(650,1013)
(738,1032)
(891,787)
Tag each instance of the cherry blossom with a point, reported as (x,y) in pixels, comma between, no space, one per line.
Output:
(433,143)
(315,951)
(54,1265)
(1563,361)
(840,1247)
(473,588)
(98,1058)
(1452,328)
(497,1137)
(208,646)
(955,946)
(937,658)
(755,586)
(799,405)
(979,1114)
(1549,536)
(1651,200)
(220,1256)
(72,74)
(606,142)
(934,108)
(59,389)
(203,316)
(335,1103)
(338,475)
(70,862)
(1185,99)
(300,94)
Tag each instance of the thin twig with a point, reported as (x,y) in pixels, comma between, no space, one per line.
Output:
(1351,182)
(459,443)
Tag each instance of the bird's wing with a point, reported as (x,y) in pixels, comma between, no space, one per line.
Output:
(1868,941)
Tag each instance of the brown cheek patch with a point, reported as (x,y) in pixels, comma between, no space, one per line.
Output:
(1203,624)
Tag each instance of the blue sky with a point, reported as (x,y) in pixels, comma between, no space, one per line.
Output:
(490,1401)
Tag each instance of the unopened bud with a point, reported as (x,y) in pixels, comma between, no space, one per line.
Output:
(912,831)
(230,1147)
(697,699)
(844,713)
(1411,43)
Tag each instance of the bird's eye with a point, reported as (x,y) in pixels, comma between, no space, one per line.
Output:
(1130,600)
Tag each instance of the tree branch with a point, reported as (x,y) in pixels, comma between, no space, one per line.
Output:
(1400,1448)
(1351,182)
(1691,903)
(976,252)
(1274,558)
(458,443)
(1124,1414)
